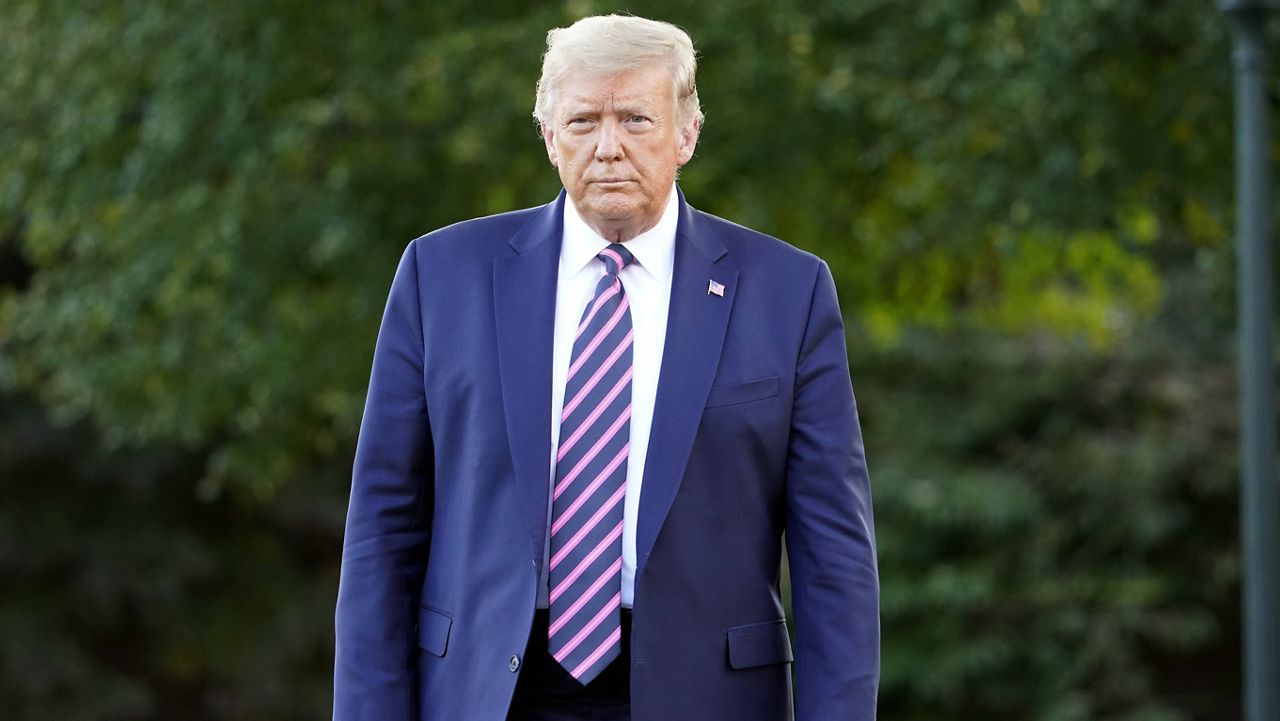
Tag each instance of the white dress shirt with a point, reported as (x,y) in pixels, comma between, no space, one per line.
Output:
(647,283)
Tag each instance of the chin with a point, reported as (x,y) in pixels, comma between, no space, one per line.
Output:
(616,211)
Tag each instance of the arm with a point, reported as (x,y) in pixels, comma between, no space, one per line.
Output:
(388,523)
(829,533)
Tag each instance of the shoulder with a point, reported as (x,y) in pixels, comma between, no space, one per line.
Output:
(477,238)
(759,252)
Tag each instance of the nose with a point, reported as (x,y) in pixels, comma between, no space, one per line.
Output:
(609,144)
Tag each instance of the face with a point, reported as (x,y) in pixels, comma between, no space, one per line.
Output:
(617,141)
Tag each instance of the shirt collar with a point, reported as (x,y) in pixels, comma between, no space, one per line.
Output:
(654,249)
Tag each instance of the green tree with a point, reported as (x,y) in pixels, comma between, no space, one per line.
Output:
(1025,204)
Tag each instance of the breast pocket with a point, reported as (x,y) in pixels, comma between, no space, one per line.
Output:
(728,394)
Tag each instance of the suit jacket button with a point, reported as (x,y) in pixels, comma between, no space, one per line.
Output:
(514,664)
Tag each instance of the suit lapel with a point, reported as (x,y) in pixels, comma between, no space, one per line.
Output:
(524,300)
(696,326)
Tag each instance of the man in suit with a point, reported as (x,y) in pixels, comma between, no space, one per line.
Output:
(589,425)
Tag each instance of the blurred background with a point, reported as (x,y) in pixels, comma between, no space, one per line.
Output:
(1027,205)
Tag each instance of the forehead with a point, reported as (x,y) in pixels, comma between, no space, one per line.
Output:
(647,86)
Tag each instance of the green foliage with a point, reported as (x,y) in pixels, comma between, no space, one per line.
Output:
(1056,527)
(126,598)
(213,195)
(1025,204)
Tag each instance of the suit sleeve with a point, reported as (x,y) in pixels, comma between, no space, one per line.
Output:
(829,533)
(387,531)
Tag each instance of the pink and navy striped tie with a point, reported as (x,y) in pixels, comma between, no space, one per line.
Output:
(585,570)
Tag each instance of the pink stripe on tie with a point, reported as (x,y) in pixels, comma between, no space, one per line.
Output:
(594,379)
(586,352)
(591,454)
(606,295)
(586,424)
(586,596)
(594,623)
(600,651)
(617,259)
(584,563)
(563,516)
(567,513)
(587,527)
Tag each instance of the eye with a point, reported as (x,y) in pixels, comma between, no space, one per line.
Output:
(637,119)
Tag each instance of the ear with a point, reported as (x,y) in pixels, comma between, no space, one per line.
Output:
(688,141)
(549,139)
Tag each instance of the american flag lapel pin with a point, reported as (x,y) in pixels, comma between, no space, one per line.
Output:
(714,288)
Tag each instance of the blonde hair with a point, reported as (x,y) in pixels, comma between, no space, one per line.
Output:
(609,44)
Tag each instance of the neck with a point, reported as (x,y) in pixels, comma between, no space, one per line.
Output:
(621,232)
(623,229)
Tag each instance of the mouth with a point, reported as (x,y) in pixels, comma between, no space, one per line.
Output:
(611,181)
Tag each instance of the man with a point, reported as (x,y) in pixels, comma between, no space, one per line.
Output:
(588,426)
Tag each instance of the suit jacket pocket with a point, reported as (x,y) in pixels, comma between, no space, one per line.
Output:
(727,394)
(759,644)
(433,630)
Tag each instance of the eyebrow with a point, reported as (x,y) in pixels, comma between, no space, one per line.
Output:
(632,110)
(571,108)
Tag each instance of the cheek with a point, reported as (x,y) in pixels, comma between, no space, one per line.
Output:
(574,155)
(660,161)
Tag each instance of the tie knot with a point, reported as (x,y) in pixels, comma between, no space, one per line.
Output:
(616,258)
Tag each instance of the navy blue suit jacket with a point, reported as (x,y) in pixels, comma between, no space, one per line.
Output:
(754,433)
